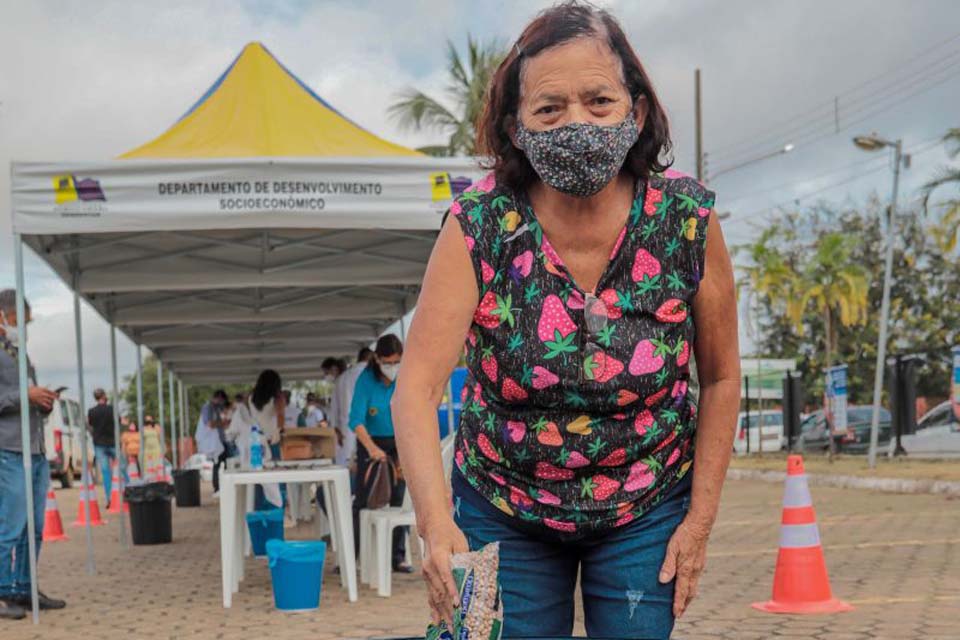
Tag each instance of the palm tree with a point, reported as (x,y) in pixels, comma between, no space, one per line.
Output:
(830,281)
(949,224)
(836,286)
(466,91)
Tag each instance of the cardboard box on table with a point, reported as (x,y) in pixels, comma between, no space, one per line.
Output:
(308,443)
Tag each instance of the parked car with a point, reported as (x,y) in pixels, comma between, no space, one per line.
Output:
(814,434)
(63,441)
(771,436)
(937,434)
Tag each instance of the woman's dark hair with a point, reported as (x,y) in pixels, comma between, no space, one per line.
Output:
(388,345)
(268,386)
(553,27)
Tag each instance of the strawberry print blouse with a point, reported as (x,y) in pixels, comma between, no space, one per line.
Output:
(572,421)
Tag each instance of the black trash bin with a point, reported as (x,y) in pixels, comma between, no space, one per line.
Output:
(186,485)
(151,517)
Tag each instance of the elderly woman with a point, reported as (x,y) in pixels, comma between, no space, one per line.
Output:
(582,275)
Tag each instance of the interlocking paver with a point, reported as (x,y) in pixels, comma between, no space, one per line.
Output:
(896,558)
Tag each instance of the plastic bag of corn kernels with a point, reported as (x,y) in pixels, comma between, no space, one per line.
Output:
(479,616)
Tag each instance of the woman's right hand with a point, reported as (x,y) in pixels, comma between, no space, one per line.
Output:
(377,453)
(441,541)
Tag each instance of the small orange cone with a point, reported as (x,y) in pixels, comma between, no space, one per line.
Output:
(800,583)
(52,524)
(115,491)
(88,493)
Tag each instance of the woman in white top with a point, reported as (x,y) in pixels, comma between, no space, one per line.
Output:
(267,407)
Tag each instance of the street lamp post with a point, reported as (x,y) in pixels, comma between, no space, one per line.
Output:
(875,143)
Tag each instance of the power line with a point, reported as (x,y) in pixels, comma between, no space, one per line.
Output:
(916,149)
(927,81)
(886,75)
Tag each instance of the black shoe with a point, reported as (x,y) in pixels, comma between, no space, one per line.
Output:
(11,611)
(402,568)
(44,601)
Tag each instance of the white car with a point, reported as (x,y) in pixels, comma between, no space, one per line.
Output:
(63,442)
(768,438)
(937,434)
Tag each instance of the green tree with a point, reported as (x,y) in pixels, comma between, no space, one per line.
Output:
(925,295)
(466,91)
(826,280)
(946,230)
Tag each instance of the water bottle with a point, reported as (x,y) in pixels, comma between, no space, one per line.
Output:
(256,449)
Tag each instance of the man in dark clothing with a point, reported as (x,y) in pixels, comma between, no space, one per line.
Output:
(14,544)
(100,421)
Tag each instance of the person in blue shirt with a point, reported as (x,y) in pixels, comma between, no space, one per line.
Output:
(371,420)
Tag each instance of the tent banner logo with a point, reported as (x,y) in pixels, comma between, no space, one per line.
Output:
(444,187)
(78,197)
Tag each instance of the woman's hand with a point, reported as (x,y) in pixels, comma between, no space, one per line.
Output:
(441,541)
(377,453)
(685,560)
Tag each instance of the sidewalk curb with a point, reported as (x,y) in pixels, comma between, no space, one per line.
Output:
(888,485)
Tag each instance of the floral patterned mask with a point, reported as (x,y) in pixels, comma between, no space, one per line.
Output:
(578,159)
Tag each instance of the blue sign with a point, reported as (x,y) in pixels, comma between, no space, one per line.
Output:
(837,398)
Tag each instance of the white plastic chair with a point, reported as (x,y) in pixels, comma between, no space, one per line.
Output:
(376,532)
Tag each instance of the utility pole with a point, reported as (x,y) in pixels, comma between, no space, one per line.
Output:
(699,123)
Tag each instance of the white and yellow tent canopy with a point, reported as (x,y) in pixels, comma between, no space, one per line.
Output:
(263,229)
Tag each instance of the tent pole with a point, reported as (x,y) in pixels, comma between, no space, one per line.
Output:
(140,409)
(86,481)
(121,462)
(183,414)
(160,412)
(173,418)
(25,410)
(186,410)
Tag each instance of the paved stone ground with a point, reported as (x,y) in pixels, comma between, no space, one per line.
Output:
(896,558)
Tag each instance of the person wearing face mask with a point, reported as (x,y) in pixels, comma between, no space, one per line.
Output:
(582,274)
(372,422)
(14,545)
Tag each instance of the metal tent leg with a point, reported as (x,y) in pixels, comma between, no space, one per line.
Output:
(25,427)
(140,409)
(121,462)
(173,419)
(82,399)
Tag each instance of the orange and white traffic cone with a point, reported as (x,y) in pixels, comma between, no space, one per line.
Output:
(88,493)
(52,523)
(115,491)
(800,583)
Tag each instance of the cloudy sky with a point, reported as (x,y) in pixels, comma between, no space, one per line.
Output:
(92,79)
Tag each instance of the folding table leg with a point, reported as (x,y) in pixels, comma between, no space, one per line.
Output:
(331,515)
(227,537)
(240,533)
(344,521)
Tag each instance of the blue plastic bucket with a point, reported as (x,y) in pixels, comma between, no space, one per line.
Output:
(296,569)
(264,526)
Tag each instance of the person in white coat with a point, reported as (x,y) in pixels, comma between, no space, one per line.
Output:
(340,403)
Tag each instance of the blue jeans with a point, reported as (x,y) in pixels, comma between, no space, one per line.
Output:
(106,455)
(619,569)
(14,549)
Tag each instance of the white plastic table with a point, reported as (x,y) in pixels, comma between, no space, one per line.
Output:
(234,487)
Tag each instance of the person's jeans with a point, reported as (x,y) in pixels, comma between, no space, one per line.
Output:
(619,569)
(14,544)
(106,455)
